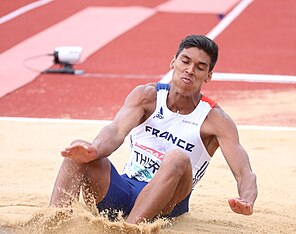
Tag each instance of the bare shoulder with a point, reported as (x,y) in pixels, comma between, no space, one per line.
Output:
(219,123)
(141,101)
(142,94)
(148,92)
(218,113)
(137,106)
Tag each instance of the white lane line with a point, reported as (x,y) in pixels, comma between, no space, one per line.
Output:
(89,121)
(264,78)
(229,18)
(126,76)
(266,128)
(53,120)
(254,78)
(23,10)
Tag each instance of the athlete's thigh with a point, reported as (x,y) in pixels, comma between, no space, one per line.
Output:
(122,193)
(178,165)
(97,179)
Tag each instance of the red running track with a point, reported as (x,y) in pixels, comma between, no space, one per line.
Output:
(253,43)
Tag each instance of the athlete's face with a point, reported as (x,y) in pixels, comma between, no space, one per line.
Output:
(191,69)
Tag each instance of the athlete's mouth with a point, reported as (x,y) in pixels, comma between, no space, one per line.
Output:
(187,80)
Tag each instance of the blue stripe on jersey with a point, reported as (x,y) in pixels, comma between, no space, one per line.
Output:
(160,86)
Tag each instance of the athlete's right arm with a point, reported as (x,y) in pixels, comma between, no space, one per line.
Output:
(132,113)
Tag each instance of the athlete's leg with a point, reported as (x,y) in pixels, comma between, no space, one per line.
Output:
(71,177)
(121,196)
(170,185)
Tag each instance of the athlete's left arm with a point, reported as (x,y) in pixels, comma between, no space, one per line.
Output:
(237,159)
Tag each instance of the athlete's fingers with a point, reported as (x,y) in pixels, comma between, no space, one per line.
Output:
(231,202)
(76,147)
(240,206)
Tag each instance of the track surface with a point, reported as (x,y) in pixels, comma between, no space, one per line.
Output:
(260,41)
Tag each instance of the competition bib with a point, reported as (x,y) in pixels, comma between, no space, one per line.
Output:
(144,163)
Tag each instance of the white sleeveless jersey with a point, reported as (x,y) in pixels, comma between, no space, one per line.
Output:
(165,130)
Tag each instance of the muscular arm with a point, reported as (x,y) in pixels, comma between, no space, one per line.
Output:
(133,112)
(129,116)
(237,158)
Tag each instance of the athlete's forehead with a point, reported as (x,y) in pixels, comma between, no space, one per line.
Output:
(196,55)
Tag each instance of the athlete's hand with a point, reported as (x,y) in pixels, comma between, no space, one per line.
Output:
(80,151)
(240,206)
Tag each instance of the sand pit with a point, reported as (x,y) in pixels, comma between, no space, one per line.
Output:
(30,160)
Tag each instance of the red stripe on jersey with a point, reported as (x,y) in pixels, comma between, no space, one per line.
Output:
(208,100)
(154,152)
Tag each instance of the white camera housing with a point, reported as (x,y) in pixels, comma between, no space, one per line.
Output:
(67,54)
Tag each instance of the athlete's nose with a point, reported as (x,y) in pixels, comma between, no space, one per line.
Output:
(190,69)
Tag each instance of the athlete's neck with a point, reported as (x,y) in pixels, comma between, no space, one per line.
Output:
(183,104)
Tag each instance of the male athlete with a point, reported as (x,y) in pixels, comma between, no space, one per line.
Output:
(174,132)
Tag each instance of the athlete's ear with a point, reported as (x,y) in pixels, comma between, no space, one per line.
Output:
(209,78)
(172,63)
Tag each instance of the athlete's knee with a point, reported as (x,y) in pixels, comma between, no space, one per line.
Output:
(87,169)
(177,157)
(70,164)
(178,161)
(98,164)
(98,171)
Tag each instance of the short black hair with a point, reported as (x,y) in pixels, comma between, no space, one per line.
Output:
(201,42)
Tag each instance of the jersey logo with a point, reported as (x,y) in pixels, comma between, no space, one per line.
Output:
(189,122)
(159,115)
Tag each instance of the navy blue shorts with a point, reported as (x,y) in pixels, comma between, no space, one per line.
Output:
(123,192)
